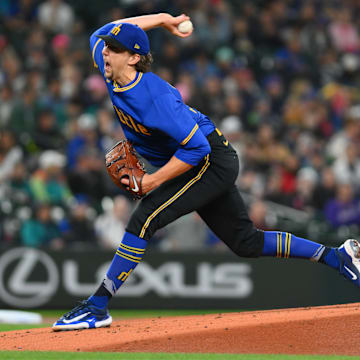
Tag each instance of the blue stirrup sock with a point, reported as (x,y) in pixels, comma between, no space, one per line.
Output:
(127,256)
(286,245)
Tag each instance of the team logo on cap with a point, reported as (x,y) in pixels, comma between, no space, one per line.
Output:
(116,29)
(136,46)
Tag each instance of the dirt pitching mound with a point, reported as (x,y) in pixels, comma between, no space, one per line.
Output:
(316,330)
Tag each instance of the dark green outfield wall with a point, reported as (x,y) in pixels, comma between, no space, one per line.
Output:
(34,278)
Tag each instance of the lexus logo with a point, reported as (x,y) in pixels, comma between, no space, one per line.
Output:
(16,268)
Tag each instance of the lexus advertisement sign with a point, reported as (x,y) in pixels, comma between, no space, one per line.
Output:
(33,278)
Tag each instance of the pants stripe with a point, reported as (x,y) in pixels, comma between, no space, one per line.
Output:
(173,198)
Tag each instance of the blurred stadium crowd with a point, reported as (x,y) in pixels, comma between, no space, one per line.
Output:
(280,79)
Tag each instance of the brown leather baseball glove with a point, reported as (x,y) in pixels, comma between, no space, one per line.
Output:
(122,162)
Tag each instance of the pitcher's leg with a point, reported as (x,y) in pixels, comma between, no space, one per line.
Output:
(227,217)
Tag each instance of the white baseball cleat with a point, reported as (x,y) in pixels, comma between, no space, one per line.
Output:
(83,316)
(349,259)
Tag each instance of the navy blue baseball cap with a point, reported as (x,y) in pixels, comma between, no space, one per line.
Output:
(130,36)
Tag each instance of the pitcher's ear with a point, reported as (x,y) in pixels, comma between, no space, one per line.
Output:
(134,59)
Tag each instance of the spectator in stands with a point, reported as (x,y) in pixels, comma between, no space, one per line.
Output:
(47,135)
(56,16)
(344,209)
(17,187)
(350,133)
(343,32)
(24,115)
(212,89)
(86,159)
(41,231)
(313,37)
(110,226)
(259,114)
(96,90)
(274,188)
(7,103)
(109,131)
(325,189)
(306,180)
(347,167)
(269,150)
(56,103)
(78,229)
(48,183)
(10,154)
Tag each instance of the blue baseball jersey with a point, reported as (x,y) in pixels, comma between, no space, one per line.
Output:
(153,115)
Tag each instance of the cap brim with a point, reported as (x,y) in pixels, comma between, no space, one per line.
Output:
(111,41)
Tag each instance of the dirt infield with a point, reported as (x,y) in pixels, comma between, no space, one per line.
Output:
(316,330)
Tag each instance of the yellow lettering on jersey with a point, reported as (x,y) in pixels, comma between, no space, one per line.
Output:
(124,275)
(143,130)
(131,123)
(116,29)
(125,119)
(120,115)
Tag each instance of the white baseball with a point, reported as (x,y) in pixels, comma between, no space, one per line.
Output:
(185,27)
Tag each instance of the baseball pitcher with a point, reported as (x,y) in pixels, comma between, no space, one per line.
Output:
(197,168)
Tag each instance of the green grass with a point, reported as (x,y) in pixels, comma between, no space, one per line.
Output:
(35,355)
(10,327)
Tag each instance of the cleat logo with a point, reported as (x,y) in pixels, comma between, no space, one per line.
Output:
(76,318)
(354,277)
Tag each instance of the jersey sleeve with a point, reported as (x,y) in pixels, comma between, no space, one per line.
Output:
(96,46)
(171,116)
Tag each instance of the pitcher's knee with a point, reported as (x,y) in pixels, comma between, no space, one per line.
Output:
(141,225)
(249,245)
